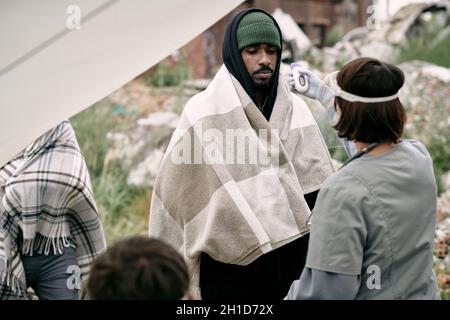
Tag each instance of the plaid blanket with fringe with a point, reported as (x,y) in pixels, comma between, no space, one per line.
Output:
(46,204)
(205,199)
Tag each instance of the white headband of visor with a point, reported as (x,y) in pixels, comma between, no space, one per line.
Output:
(331,81)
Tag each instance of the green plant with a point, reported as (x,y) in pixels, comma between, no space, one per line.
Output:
(91,127)
(120,206)
(167,75)
(430,127)
(431,46)
(439,147)
(333,36)
(123,210)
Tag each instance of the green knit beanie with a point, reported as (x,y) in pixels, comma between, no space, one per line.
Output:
(256,28)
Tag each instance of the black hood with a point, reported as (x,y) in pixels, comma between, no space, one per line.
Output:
(233,61)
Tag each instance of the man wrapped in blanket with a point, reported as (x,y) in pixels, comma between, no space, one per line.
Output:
(50,231)
(242,171)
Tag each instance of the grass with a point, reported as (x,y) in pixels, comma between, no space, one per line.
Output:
(123,209)
(167,74)
(430,46)
(433,47)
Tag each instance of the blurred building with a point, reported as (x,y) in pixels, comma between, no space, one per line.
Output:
(316,18)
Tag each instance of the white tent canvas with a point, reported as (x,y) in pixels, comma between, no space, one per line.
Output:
(57,59)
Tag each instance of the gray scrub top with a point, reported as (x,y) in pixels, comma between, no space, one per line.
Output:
(373,227)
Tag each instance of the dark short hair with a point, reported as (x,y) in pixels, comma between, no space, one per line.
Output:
(139,268)
(370,122)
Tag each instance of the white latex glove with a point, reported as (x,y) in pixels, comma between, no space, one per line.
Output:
(316,90)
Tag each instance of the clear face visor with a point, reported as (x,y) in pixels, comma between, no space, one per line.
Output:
(326,118)
(339,148)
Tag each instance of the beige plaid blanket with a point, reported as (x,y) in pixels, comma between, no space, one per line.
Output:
(231,184)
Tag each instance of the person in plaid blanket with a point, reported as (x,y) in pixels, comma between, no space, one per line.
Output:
(50,231)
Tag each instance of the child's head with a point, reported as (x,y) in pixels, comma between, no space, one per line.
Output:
(139,268)
(374,121)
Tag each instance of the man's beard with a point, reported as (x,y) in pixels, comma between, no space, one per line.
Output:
(265,85)
(262,86)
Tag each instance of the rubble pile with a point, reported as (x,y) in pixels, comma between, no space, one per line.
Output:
(141,147)
(442,244)
(424,95)
(385,42)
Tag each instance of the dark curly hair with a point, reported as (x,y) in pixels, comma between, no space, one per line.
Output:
(139,268)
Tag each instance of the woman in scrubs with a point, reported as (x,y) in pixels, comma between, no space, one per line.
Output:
(372,228)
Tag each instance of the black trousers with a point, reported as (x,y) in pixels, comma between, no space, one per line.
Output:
(267,278)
